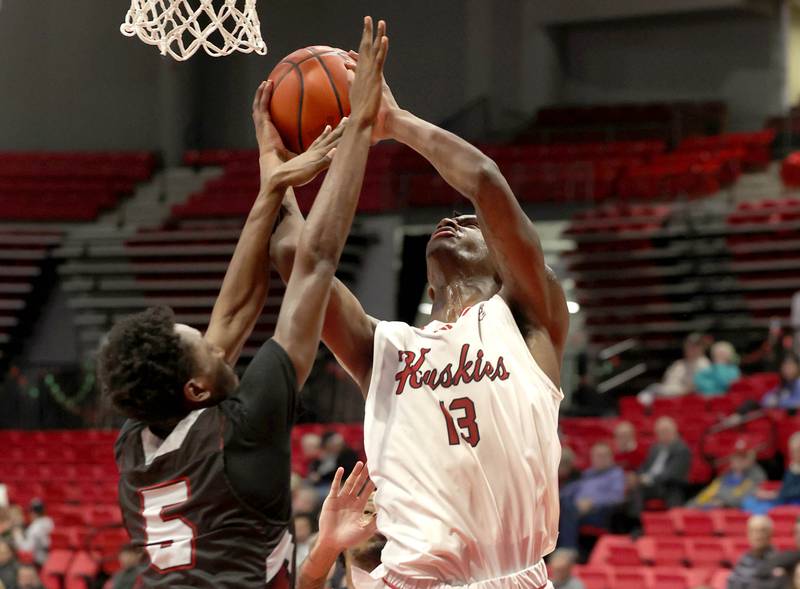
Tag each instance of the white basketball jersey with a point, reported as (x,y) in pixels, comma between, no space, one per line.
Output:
(462,443)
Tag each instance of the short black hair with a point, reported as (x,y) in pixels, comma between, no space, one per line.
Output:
(143,366)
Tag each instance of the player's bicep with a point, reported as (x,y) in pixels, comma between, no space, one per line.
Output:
(349,333)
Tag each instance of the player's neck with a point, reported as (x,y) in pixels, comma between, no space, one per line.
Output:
(450,300)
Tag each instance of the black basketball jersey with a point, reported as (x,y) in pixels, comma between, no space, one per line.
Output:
(180,506)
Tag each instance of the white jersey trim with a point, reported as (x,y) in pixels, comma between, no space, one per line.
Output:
(154,446)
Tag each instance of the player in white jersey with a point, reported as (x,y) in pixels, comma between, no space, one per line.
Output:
(461,416)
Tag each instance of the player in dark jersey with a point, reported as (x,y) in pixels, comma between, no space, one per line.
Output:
(204,460)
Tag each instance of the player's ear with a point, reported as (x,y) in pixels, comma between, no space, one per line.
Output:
(431,293)
(195,391)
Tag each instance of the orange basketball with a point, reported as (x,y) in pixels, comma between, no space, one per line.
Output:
(310,92)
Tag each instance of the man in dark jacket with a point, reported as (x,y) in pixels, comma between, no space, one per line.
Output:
(665,472)
(751,572)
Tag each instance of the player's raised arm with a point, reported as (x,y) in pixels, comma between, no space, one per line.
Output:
(244,289)
(509,233)
(325,232)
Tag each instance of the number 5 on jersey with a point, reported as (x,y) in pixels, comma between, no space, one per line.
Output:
(467,422)
(169,539)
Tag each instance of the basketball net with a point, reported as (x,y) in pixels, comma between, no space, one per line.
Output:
(179,28)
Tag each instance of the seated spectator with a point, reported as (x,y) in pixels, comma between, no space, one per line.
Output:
(560,565)
(303,532)
(782,566)
(751,572)
(665,472)
(789,493)
(739,481)
(567,471)
(306,500)
(8,565)
(6,525)
(36,537)
(716,379)
(334,454)
(678,380)
(130,566)
(311,447)
(591,499)
(28,578)
(787,394)
(628,453)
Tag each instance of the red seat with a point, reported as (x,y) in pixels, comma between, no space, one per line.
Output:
(82,572)
(731,522)
(662,551)
(593,577)
(632,578)
(691,522)
(671,578)
(706,552)
(55,568)
(658,524)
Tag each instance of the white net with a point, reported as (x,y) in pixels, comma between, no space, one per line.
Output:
(180,27)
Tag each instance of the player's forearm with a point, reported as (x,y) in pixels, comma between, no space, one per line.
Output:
(325,231)
(315,569)
(246,283)
(463,166)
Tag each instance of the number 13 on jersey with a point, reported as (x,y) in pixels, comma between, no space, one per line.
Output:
(467,421)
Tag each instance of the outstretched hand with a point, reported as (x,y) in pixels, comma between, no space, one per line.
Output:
(303,168)
(388,106)
(342,522)
(269,140)
(366,89)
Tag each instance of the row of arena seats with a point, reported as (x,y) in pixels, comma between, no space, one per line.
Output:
(696,546)
(698,419)
(668,121)
(688,268)
(396,177)
(74,473)
(67,186)
(182,265)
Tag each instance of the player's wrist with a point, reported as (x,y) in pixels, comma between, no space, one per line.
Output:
(325,551)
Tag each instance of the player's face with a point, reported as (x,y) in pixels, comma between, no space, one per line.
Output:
(457,242)
(212,370)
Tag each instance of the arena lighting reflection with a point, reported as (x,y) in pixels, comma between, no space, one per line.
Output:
(573,307)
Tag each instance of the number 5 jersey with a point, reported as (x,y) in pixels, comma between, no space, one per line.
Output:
(462,443)
(210,502)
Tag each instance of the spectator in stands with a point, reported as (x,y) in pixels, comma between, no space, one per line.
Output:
(28,578)
(767,357)
(789,493)
(335,453)
(717,378)
(36,537)
(561,563)
(751,571)
(567,471)
(678,380)
(665,472)
(591,499)
(311,445)
(303,533)
(741,480)
(6,525)
(787,394)
(628,453)
(8,565)
(306,500)
(130,565)
(783,565)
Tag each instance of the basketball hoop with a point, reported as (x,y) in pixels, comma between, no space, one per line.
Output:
(181,27)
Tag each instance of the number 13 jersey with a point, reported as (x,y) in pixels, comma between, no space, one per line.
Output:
(461,436)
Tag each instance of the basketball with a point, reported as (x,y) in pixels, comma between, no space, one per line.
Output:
(310,92)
